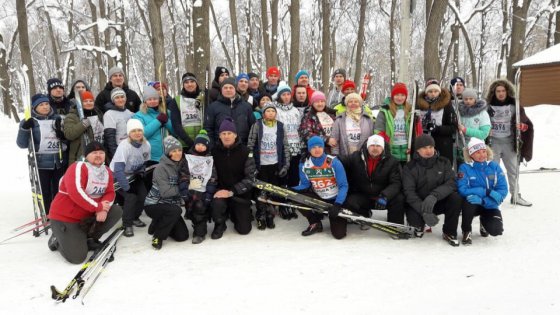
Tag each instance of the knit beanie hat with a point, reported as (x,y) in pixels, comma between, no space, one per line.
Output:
(399,88)
(475,144)
(219,70)
(282,88)
(339,71)
(241,76)
(315,141)
(376,140)
(54,82)
(230,81)
(115,70)
(423,140)
(268,105)
(348,84)
(149,92)
(93,146)
(317,96)
(202,138)
(86,95)
(133,124)
(469,93)
(170,144)
(432,84)
(188,76)
(273,70)
(117,92)
(457,79)
(352,96)
(252,75)
(300,73)
(227,125)
(38,99)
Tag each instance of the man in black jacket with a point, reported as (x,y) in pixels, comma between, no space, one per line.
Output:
(116,79)
(430,189)
(375,181)
(236,172)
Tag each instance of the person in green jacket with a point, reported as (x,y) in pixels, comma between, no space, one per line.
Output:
(475,121)
(393,122)
(187,110)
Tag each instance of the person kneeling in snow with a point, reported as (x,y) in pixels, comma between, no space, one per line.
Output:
(83,209)
(483,184)
(325,175)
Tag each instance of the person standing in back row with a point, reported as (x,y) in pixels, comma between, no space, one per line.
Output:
(117,80)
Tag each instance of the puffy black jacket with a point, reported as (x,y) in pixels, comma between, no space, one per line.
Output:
(132,99)
(240,111)
(235,168)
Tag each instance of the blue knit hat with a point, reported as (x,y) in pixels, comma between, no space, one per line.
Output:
(38,99)
(227,125)
(314,142)
(282,88)
(302,72)
(241,76)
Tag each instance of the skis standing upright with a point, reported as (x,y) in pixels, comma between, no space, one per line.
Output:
(41,223)
(458,134)
(518,141)
(412,119)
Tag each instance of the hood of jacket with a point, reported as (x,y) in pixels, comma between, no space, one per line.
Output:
(469,111)
(491,95)
(442,101)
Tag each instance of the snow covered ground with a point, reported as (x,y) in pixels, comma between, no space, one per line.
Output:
(279,272)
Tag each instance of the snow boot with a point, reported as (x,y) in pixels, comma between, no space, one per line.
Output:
(270,221)
(128,231)
(467,239)
(219,230)
(197,239)
(452,240)
(483,231)
(520,201)
(157,243)
(93,244)
(53,243)
(419,232)
(312,229)
(138,223)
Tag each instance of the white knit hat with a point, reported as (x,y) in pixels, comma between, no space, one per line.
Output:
(133,124)
(476,144)
(376,140)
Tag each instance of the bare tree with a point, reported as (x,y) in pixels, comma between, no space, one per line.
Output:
(274,28)
(226,52)
(158,47)
(325,49)
(201,38)
(54,44)
(392,26)
(266,33)
(249,37)
(102,80)
(517,40)
(360,42)
(176,75)
(435,10)
(5,83)
(294,40)
(504,51)
(24,47)
(557,31)
(235,33)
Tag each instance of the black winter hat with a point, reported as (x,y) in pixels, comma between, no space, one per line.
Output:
(219,70)
(188,76)
(423,141)
(93,146)
(54,82)
(228,81)
(252,75)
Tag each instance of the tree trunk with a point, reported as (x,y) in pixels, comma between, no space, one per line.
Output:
(249,37)
(5,81)
(235,33)
(360,42)
(405,32)
(274,28)
(455,41)
(106,33)
(189,52)
(557,31)
(295,22)
(201,39)
(504,50)
(265,33)
(24,47)
(228,58)
(326,43)
(517,41)
(70,69)
(176,75)
(102,80)
(392,46)
(432,65)
(121,38)
(154,13)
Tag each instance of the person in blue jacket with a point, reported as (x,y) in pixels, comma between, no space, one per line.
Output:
(49,148)
(325,176)
(482,184)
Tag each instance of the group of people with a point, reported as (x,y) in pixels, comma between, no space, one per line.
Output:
(108,158)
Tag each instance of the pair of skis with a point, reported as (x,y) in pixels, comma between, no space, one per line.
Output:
(396,231)
(90,271)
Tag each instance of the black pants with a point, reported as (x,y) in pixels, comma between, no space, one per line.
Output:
(167,222)
(149,175)
(239,210)
(292,178)
(198,212)
(72,237)
(361,203)
(267,173)
(490,219)
(450,207)
(49,179)
(133,203)
(338,224)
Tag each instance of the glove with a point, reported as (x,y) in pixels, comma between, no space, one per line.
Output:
(430,219)
(334,210)
(283,172)
(86,122)
(184,190)
(27,124)
(162,117)
(496,196)
(428,204)
(381,203)
(474,199)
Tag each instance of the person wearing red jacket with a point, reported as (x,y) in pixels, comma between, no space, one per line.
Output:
(83,209)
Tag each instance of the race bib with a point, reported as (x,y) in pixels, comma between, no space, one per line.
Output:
(49,143)
(190,114)
(269,151)
(399,134)
(97,128)
(200,169)
(501,122)
(326,122)
(98,179)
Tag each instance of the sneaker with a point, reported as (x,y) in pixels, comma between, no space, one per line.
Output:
(198,239)
(138,223)
(128,231)
(520,201)
(467,239)
(483,231)
(157,243)
(93,244)
(451,239)
(419,232)
(270,222)
(53,243)
(312,229)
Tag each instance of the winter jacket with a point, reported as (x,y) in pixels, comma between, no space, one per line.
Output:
(74,129)
(153,130)
(214,92)
(75,200)
(183,122)
(385,179)
(254,144)
(339,175)
(340,134)
(444,132)
(235,168)
(63,107)
(114,124)
(291,118)
(165,183)
(311,126)
(475,118)
(422,177)
(527,136)
(185,174)
(341,108)
(264,87)
(239,110)
(104,97)
(130,159)
(47,160)
(334,97)
(385,125)
(480,178)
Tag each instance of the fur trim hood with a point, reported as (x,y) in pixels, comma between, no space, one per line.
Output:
(440,103)
(491,94)
(469,111)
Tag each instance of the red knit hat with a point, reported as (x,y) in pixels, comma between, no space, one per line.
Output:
(399,88)
(86,95)
(348,84)
(273,70)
